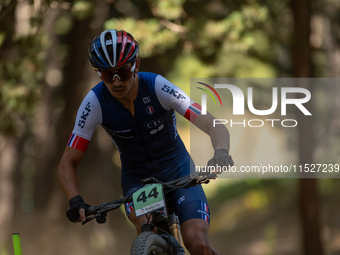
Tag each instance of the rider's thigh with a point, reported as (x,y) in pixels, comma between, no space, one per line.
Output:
(195,236)
(137,221)
(191,204)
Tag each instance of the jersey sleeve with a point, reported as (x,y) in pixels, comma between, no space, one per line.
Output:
(88,117)
(172,97)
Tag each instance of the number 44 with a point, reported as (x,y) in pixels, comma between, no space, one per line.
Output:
(142,197)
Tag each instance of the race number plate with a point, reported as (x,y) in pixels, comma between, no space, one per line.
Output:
(148,199)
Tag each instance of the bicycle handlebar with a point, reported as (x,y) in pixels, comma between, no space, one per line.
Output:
(93,212)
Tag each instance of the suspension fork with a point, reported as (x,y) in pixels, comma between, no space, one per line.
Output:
(176,229)
(162,219)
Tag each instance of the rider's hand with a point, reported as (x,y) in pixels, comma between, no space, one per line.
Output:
(76,212)
(221,158)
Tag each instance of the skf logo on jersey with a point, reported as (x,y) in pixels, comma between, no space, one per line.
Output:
(150,110)
(173,92)
(108,42)
(84,115)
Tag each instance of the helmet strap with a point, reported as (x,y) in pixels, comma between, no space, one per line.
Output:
(133,69)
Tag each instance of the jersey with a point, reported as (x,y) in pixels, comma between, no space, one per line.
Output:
(147,142)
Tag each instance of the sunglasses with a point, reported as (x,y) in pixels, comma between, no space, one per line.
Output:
(123,73)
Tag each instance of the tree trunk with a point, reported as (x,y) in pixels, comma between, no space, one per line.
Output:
(9,145)
(309,206)
(8,165)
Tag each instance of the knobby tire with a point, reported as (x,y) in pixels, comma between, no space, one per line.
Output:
(149,243)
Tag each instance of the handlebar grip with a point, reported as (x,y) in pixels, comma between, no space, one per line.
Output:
(92,210)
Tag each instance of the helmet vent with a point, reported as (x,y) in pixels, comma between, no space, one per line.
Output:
(113,48)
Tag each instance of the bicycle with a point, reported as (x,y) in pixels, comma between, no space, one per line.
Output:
(153,199)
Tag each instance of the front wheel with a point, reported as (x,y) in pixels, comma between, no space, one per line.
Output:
(149,243)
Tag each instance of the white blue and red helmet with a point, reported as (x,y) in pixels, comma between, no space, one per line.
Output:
(113,48)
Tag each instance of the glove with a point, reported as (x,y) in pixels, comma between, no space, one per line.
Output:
(221,158)
(76,203)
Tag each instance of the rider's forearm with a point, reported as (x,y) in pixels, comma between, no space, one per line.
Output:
(219,134)
(67,171)
(69,180)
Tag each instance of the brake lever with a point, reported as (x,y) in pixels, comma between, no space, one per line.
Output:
(88,219)
(211,176)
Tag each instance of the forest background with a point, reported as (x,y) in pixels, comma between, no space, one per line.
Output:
(44,75)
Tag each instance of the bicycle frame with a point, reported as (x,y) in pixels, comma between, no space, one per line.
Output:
(167,226)
(162,221)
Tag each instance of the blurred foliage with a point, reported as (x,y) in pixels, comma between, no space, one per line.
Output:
(260,195)
(152,37)
(168,9)
(181,39)
(20,81)
(82,9)
(254,211)
(178,38)
(63,25)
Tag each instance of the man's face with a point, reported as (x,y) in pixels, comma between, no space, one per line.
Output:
(119,80)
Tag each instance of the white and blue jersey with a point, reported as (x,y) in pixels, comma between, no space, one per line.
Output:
(148,142)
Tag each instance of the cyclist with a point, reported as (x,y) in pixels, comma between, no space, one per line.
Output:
(137,111)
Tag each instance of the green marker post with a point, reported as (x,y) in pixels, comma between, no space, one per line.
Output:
(16,244)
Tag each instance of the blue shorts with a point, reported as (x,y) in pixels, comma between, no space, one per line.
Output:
(187,204)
